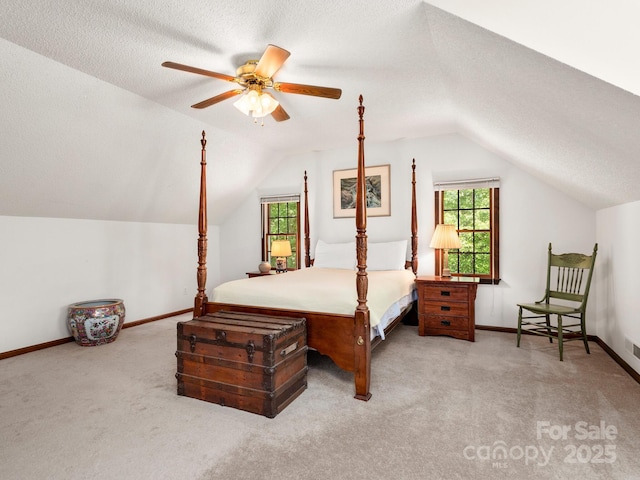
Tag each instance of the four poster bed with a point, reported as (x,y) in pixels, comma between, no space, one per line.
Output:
(346,336)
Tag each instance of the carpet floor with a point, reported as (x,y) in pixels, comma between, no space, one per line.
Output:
(441,409)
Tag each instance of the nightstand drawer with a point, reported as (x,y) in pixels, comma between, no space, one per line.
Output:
(446,323)
(445,293)
(445,308)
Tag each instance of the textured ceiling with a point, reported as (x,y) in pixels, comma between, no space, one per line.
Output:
(422,70)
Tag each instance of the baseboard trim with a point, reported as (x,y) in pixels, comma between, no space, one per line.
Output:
(154,319)
(33,348)
(61,341)
(625,366)
(497,329)
(592,338)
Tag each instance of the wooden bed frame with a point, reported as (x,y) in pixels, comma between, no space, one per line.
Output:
(346,339)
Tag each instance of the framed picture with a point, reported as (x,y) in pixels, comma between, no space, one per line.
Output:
(377,186)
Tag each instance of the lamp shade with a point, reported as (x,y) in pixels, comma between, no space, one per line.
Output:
(281,248)
(256,103)
(243,104)
(268,105)
(445,236)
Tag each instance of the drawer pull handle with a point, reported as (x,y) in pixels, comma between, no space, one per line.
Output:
(446,323)
(445,293)
(445,308)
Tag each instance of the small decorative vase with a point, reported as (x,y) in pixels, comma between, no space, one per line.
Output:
(96,322)
(264,267)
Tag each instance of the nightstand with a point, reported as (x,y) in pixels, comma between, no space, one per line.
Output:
(270,272)
(446,306)
(260,274)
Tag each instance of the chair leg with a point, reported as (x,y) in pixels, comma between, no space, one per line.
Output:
(549,328)
(584,333)
(519,326)
(560,335)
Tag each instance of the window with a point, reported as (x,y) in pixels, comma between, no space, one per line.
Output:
(281,221)
(472,206)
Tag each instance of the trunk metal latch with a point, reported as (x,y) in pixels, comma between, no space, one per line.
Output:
(251,349)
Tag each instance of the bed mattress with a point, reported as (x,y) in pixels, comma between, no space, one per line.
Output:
(324,290)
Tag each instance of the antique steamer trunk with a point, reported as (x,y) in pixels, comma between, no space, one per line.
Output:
(253,362)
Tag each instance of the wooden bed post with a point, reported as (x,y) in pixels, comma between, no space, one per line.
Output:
(362,347)
(201,297)
(414,221)
(307,240)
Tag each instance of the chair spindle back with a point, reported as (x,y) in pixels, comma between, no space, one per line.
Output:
(570,273)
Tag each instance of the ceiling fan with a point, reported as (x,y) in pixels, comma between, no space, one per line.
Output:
(254,77)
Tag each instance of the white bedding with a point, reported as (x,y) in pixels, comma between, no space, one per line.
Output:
(325,290)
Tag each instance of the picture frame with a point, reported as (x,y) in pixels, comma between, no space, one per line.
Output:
(378,185)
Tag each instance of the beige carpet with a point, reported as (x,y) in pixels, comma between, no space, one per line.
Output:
(441,409)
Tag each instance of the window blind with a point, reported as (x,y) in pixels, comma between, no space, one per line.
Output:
(493,182)
(279,198)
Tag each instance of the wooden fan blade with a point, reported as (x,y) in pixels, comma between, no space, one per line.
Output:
(279,115)
(199,71)
(218,98)
(271,61)
(300,89)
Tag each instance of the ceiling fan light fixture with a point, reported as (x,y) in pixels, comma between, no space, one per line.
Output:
(256,104)
(251,79)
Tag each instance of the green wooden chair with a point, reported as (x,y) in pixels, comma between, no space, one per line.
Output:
(568,281)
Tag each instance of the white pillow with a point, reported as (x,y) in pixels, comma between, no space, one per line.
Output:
(335,255)
(387,255)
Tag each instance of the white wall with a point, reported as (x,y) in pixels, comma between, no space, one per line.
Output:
(618,231)
(532,214)
(104,153)
(241,235)
(49,263)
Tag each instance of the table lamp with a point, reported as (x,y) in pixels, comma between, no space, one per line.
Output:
(444,238)
(281,249)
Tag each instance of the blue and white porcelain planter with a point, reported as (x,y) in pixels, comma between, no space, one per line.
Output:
(96,322)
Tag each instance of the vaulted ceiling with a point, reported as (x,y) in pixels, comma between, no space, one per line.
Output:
(484,69)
